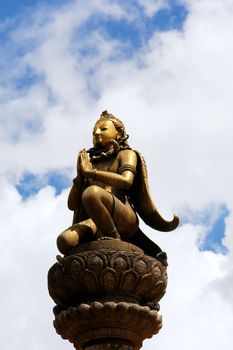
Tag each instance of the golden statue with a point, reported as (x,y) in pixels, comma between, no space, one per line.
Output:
(110,189)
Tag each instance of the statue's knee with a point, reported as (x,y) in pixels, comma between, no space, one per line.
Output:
(91,193)
(67,240)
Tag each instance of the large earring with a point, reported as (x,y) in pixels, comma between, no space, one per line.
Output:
(119,135)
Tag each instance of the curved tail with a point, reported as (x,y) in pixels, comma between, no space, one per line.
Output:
(156,221)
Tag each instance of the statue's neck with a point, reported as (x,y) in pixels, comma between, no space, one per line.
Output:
(100,153)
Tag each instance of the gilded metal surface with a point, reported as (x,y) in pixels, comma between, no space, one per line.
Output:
(110,189)
(112,276)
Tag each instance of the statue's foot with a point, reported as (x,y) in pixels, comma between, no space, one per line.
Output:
(74,235)
(67,240)
(113,234)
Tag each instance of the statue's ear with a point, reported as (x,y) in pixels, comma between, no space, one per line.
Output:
(120,132)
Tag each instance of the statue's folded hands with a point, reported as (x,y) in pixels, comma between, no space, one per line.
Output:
(110,189)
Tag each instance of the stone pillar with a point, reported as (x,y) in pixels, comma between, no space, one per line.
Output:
(106,294)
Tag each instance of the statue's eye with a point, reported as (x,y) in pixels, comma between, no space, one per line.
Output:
(104,128)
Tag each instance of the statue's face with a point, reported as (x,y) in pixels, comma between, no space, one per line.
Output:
(104,131)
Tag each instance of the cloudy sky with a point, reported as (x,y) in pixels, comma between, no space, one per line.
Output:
(165,68)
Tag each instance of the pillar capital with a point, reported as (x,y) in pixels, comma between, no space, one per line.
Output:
(106,295)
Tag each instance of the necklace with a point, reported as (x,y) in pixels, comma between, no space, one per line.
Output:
(98,154)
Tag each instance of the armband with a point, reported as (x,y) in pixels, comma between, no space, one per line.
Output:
(127,167)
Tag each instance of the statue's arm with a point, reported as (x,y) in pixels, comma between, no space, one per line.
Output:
(124,180)
(75,195)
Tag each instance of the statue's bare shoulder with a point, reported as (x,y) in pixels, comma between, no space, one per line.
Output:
(110,189)
(127,157)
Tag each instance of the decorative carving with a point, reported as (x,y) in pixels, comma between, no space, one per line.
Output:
(112,276)
(103,272)
(107,295)
(100,321)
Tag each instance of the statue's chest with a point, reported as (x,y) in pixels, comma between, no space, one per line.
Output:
(110,165)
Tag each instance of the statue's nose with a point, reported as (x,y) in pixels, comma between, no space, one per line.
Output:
(97,132)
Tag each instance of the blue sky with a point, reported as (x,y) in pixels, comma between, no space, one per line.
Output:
(133,35)
(170,17)
(214,237)
(30,184)
(12,8)
(213,218)
(165,68)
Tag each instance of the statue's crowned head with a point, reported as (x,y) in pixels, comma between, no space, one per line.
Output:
(121,136)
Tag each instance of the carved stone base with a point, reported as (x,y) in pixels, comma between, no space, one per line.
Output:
(107,295)
(121,323)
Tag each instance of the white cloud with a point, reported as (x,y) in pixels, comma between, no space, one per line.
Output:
(152,6)
(175,98)
(28,233)
(61,98)
(196,314)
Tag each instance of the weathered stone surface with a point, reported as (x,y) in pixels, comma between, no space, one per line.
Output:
(109,270)
(103,321)
(107,295)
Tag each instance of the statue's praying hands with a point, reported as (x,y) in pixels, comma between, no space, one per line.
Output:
(109,190)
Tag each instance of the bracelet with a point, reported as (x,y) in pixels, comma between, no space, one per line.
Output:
(93,174)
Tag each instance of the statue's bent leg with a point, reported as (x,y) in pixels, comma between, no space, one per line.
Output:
(108,212)
(99,206)
(125,219)
(79,233)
